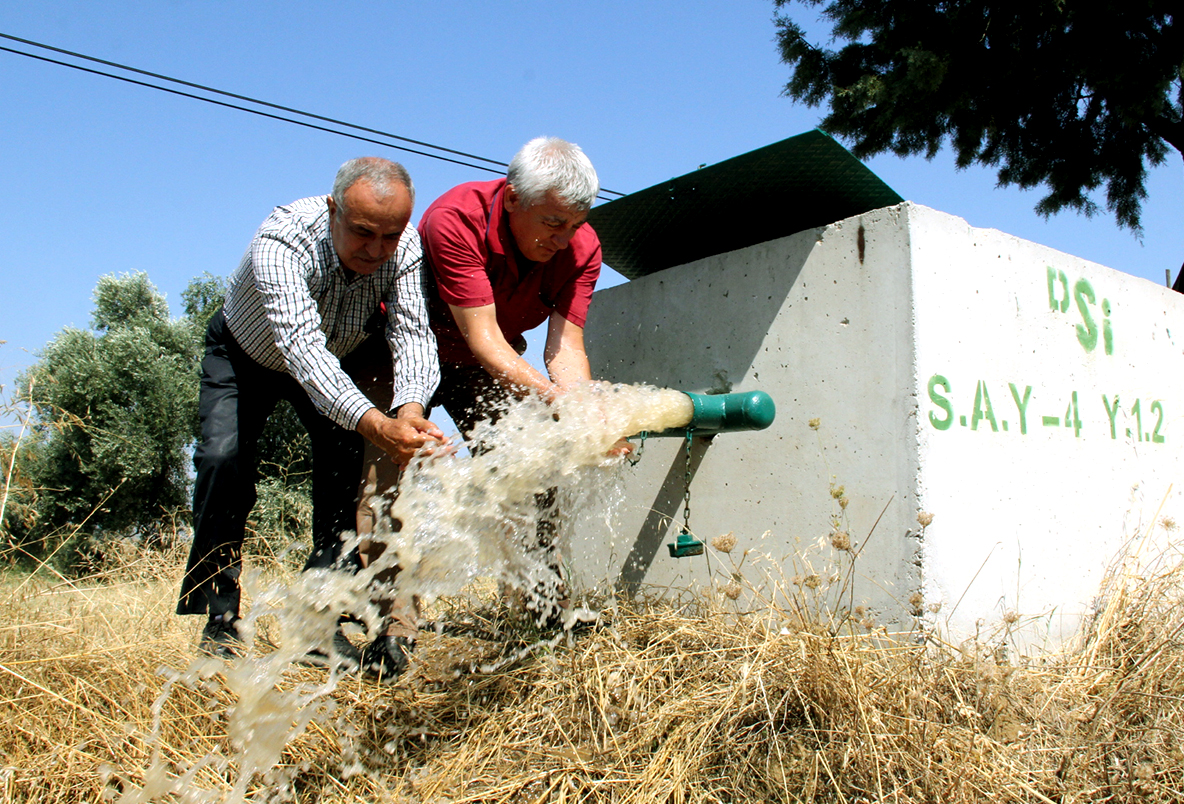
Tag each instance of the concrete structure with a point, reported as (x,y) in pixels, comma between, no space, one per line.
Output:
(1027,399)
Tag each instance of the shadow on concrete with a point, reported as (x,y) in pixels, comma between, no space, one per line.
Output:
(698,327)
(694,328)
(662,512)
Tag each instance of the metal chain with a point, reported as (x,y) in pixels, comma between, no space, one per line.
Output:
(686,494)
(635,458)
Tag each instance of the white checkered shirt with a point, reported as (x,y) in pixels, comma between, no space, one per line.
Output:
(290,308)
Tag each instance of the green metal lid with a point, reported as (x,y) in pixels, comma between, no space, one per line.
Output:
(796,184)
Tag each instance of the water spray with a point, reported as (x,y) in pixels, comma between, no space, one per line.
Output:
(460,518)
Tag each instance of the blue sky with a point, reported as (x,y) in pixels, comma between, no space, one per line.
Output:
(102,177)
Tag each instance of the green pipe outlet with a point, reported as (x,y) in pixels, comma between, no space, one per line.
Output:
(727,413)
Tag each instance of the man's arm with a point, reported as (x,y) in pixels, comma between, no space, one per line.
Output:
(567,363)
(281,261)
(413,346)
(455,245)
(564,354)
(416,369)
(484,337)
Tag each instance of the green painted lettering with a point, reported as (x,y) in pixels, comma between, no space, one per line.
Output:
(1062,305)
(1111,413)
(1088,334)
(1071,417)
(1022,406)
(1107,330)
(934,382)
(1157,406)
(1137,412)
(982,408)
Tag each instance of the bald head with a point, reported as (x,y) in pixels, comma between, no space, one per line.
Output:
(383,176)
(369,209)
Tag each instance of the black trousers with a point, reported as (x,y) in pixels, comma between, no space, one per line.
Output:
(237,396)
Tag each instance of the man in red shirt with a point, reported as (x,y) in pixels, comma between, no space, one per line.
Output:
(506,256)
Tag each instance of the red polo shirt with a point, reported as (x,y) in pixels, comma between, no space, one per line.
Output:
(471,253)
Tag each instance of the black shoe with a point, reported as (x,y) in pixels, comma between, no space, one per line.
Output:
(386,657)
(220,637)
(342,655)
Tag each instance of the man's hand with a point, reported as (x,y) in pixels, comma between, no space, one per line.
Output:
(623,447)
(402,436)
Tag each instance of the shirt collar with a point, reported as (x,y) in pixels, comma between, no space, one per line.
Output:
(498,237)
(335,265)
(497,228)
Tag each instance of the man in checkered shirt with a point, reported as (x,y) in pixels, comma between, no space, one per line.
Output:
(320,277)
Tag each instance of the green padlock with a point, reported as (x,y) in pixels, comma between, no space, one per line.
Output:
(685,545)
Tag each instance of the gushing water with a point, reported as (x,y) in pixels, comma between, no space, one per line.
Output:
(467,516)
(456,518)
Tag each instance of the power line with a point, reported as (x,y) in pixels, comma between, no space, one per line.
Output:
(236,97)
(244,109)
(248,99)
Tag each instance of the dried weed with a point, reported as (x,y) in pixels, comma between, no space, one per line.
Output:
(663,702)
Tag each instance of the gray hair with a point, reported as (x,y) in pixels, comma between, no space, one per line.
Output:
(381,173)
(549,164)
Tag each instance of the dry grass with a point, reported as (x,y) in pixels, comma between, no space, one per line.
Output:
(690,703)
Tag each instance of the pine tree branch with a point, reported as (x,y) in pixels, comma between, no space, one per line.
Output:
(1170,131)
